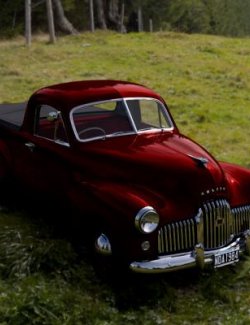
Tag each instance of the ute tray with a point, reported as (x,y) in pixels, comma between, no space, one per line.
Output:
(12,115)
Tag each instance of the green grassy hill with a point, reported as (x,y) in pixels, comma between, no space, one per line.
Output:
(204,79)
(206,82)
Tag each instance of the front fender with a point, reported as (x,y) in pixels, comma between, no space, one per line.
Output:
(123,199)
(238,183)
(114,207)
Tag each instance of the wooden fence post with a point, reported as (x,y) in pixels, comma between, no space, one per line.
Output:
(140,23)
(28,22)
(122,18)
(151,25)
(91,15)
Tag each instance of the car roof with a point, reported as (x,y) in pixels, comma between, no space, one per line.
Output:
(71,94)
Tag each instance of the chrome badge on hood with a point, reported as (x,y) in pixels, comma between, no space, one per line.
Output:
(201,161)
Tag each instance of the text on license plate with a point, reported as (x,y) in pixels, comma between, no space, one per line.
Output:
(228,257)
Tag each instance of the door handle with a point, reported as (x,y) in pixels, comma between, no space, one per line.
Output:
(31,146)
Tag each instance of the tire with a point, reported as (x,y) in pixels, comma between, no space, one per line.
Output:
(4,181)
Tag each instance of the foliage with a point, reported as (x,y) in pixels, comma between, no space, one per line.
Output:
(65,289)
(226,17)
(206,81)
(189,16)
(235,18)
(11,15)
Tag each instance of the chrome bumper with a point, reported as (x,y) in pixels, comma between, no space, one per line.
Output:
(196,258)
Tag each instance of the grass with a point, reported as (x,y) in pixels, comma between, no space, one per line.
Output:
(204,79)
(43,281)
(206,82)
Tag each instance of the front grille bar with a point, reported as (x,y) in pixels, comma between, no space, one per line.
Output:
(214,226)
(177,236)
(241,218)
(218,223)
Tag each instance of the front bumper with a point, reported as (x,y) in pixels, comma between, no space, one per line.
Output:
(196,258)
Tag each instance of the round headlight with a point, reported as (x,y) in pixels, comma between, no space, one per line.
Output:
(147,220)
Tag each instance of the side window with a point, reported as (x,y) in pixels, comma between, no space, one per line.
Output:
(50,125)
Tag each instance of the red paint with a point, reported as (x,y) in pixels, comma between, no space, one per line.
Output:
(114,178)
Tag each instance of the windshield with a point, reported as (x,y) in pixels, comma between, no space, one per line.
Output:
(118,117)
(148,114)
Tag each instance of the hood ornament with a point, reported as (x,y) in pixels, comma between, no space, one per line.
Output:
(201,161)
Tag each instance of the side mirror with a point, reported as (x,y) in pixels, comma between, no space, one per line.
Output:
(53,116)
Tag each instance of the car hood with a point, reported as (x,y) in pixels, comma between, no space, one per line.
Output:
(163,167)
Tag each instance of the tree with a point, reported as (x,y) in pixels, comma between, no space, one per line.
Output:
(227,17)
(149,12)
(235,19)
(50,21)
(189,16)
(114,15)
(61,20)
(110,14)
(101,14)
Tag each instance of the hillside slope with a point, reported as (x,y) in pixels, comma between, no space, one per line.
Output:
(206,82)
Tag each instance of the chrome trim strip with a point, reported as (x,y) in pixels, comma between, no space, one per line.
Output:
(195,258)
(165,112)
(165,264)
(61,143)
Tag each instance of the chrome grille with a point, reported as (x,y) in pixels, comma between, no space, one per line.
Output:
(218,223)
(177,236)
(241,216)
(214,228)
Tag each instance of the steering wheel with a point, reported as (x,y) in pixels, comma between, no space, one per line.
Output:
(94,128)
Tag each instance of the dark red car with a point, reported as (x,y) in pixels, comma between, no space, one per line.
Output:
(157,200)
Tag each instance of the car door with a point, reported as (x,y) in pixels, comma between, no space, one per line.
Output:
(41,159)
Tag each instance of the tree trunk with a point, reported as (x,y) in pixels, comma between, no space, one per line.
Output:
(114,16)
(52,36)
(101,14)
(61,20)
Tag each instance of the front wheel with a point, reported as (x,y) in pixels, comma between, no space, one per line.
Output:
(102,256)
(108,265)
(4,180)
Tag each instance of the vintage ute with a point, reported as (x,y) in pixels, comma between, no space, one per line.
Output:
(152,197)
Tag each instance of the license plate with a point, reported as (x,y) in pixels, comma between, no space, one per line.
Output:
(228,257)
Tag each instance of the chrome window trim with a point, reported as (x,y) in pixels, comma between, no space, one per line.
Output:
(135,132)
(165,113)
(57,141)
(101,137)
(130,116)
